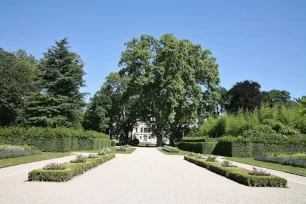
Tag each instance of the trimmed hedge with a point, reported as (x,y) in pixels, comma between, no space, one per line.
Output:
(239,175)
(239,148)
(72,170)
(54,139)
(198,147)
(170,149)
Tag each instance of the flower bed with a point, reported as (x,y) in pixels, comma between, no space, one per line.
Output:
(70,169)
(239,175)
(284,161)
(10,151)
(170,149)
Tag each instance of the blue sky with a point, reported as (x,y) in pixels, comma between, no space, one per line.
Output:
(262,40)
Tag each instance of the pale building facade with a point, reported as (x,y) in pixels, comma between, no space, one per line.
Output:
(143,133)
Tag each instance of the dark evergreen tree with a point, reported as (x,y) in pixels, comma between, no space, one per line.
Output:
(244,95)
(60,101)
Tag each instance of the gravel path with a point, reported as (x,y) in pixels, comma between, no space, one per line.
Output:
(146,176)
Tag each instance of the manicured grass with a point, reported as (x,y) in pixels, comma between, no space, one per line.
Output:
(181,152)
(268,165)
(31,158)
(129,150)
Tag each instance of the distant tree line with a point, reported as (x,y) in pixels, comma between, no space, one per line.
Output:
(171,84)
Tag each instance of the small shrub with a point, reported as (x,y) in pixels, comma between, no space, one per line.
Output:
(104,151)
(226,163)
(211,158)
(92,156)
(79,159)
(54,166)
(257,172)
(114,142)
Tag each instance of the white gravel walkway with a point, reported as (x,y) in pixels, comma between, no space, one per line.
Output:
(145,176)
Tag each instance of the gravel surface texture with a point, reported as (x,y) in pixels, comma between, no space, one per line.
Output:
(145,176)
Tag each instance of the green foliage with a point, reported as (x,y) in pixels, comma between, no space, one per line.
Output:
(71,170)
(276,97)
(244,95)
(168,76)
(239,175)
(170,149)
(79,159)
(18,76)
(199,147)
(54,139)
(196,139)
(59,101)
(54,166)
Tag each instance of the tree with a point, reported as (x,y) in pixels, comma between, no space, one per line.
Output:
(274,96)
(59,101)
(18,72)
(112,109)
(244,95)
(168,76)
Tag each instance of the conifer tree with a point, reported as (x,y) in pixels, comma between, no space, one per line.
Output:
(59,101)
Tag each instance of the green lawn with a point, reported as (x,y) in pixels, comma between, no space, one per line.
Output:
(31,158)
(129,150)
(181,152)
(269,165)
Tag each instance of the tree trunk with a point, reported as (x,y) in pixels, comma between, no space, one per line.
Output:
(159,140)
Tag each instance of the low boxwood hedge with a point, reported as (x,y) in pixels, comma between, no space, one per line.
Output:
(170,149)
(71,170)
(239,175)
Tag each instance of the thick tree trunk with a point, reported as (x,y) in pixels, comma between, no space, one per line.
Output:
(159,141)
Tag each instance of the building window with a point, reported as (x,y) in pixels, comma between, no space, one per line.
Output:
(141,130)
(136,129)
(149,129)
(139,137)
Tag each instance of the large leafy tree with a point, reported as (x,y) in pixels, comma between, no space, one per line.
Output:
(244,95)
(276,97)
(18,76)
(112,110)
(59,101)
(169,77)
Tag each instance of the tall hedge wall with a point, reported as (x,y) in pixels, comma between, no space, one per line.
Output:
(54,139)
(239,149)
(198,147)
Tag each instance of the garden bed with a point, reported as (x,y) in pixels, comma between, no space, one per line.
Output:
(284,160)
(71,170)
(11,151)
(239,175)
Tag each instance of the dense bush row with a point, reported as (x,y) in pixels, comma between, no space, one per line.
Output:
(239,146)
(267,121)
(54,139)
(239,175)
(9,151)
(285,161)
(70,170)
